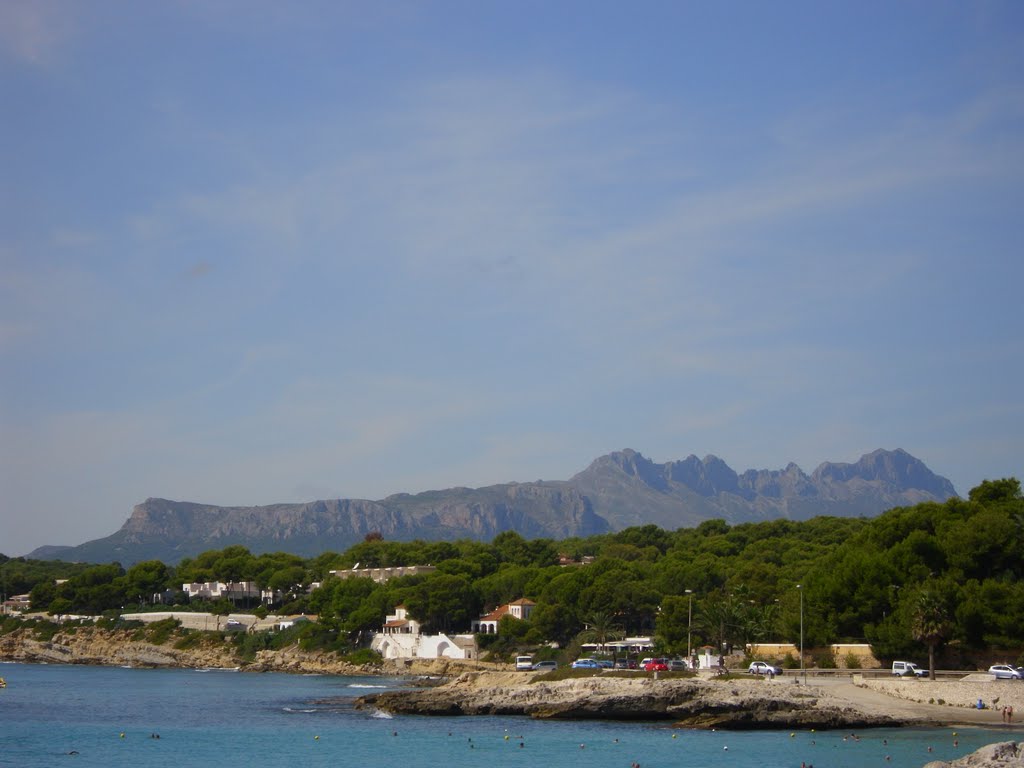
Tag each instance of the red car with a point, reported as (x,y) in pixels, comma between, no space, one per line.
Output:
(656,665)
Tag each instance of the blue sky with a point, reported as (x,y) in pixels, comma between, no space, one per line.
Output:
(255,252)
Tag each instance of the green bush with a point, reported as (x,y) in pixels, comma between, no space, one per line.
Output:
(248,645)
(10,624)
(790,662)
(190,638)
(159,632)
(852,661)
(45,630)
(315,637)
(824,660)
(362,656)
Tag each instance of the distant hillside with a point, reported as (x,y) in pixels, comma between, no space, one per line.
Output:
(616,491)
(170,530)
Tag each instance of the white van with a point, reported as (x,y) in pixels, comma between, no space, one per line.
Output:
(908,669)
(524,663)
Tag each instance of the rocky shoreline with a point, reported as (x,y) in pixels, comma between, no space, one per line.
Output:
(109,647)
(686,702)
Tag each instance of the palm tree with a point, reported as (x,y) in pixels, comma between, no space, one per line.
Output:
(930,624)
(720,618)
(600,627)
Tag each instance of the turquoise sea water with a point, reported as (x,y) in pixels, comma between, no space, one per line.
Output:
(234,720)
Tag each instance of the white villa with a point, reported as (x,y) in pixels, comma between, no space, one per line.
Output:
(401,638)
(16,604)
(518,609)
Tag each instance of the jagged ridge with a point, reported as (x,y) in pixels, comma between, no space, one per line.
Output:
(616,491)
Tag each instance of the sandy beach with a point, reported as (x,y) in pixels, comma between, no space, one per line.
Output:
(916,700)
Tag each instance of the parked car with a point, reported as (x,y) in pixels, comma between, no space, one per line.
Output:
(656,665)
(1005,672)
(585,664)
(524,663)
(908,668)
(545,666)
(678,665)
(606,664)
(625,664)
(763,668)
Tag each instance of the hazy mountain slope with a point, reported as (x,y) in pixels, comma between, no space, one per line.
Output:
(170,530)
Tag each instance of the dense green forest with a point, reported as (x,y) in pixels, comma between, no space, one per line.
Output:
(932,576)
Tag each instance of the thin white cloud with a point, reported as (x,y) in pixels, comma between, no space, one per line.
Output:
(34,31)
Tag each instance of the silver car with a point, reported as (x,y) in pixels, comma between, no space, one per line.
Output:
(1004,672)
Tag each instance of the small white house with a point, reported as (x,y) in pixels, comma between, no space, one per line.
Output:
(402,638)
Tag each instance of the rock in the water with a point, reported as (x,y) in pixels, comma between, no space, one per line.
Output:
(1005,754)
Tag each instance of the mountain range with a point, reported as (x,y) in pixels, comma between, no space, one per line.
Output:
(618,490)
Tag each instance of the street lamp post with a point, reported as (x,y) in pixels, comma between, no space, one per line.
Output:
(689,624)
(803,671)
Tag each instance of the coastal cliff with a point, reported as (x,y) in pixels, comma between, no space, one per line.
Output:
(132,648)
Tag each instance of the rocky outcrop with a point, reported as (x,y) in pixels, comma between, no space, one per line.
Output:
(1006,754)
(628,489)
(110,648)
(692,703)
(130,648)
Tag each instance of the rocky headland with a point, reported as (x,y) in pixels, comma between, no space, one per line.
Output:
(686,702)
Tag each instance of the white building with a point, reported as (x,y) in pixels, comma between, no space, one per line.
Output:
(381,575)
(288,622)
(401,638)
(214,590)
(517,609)
(17,604)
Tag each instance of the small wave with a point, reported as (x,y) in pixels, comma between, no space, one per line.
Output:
(380,715)
(302,711)
(361,685)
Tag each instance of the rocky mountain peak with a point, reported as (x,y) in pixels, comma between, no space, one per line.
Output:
(618,490)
